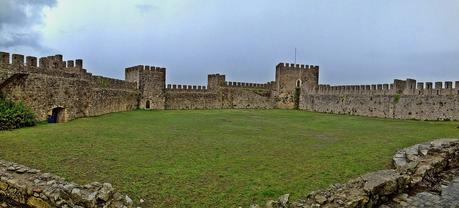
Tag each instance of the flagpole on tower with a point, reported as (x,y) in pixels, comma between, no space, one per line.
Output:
(295,55)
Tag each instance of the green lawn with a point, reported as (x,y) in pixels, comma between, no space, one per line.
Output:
(217,158)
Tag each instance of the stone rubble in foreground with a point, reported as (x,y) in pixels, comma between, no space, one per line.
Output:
(424,175)
(21,186)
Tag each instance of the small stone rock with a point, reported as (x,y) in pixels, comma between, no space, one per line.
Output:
(129,201)
(91,197)
(37,190)
(271,204)
(33,171)
(283,200)
(46,175)
(105,191)
(21,170)
(320,199)
(76,192)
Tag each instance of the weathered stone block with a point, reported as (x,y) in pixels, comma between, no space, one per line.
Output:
(35,202)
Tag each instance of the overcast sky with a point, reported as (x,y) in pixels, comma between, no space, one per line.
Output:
(354,41)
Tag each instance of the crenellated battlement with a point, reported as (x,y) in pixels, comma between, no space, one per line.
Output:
(401,87)
(249,85)
(374,89)
(50,65)
(188,88)
(145,68)
(291,66)
(49,62)
(215,81)
(217,76)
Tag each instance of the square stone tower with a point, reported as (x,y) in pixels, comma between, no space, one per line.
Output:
(215,81)
(151,82)
(290,78)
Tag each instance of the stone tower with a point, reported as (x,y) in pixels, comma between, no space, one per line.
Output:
(290,78)
(214,81)
(151,82)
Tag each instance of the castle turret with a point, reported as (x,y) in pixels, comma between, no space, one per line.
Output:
(214,81)
(151,82)
(290,78)
(4,58)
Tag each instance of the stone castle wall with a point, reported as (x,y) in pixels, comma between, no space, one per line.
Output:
(50,82)
(399,100)
(226,96)
(187,99)
(53,83)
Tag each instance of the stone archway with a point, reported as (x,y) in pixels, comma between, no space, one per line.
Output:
(57,115)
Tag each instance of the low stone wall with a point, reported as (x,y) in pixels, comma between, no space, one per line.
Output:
(416,167)
(222,98)
(25,187)
(186,100)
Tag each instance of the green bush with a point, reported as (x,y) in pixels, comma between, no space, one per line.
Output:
(296,98)
(15,115)
(396,98)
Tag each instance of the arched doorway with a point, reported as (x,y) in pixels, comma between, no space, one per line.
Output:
(57,115)
(147,105)
(299,83)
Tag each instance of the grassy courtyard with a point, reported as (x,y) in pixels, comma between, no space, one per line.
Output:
(218,158)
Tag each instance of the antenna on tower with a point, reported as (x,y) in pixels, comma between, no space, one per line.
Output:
(295,55)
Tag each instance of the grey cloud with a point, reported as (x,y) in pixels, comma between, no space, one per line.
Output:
(145,8)
(21,39)
(17,18)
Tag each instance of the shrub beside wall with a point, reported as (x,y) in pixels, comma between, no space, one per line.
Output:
(15,115)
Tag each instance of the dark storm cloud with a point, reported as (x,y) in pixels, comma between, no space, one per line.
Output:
(353,41)
(17,21)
